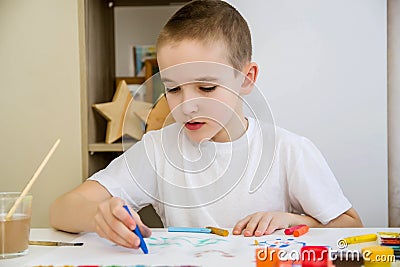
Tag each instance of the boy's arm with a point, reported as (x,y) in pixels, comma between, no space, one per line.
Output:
(91,208)
(349,218)
(74,211)
(261,223)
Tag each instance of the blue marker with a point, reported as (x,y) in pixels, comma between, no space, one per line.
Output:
(189,230)
(139,234)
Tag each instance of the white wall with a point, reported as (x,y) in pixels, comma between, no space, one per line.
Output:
(40,101)
(323,71)
(136,26)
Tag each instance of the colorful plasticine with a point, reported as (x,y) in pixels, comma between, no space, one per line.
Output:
(301,231)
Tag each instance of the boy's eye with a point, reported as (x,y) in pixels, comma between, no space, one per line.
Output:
(173,90)
(208,88)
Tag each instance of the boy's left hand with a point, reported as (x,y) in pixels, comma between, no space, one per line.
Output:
(262,223)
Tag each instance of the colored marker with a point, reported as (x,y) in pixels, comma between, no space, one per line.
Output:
(138,233)
(189,230)
(290,231)
(301,231)
(360,238)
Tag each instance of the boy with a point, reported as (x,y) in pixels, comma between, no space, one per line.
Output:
(197,171)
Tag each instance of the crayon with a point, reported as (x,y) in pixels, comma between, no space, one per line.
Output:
(290,231)
(360,239)
(138,233)
(301,231)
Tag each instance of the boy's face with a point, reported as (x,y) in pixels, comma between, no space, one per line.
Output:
(203,90)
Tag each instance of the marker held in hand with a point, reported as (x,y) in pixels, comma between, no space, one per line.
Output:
(138,233)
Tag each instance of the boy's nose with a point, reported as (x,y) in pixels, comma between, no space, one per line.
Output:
(189,106)
(189,102)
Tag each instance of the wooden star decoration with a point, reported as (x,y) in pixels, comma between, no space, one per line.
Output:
(143,113)
(116,113)
(132,118)
(158,116)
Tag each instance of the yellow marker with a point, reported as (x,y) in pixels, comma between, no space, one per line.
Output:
(256,243)
(218,231)
(360,239)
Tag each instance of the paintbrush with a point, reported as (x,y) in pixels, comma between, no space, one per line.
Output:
(31,181)
(54,243)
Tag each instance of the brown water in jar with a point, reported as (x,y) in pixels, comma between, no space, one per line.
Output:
(14,234)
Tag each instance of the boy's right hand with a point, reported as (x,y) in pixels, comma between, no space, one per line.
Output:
(114,223)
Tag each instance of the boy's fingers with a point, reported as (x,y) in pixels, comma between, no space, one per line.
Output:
(263,225)
(122,231)
(119,212)
(104,230)
(252,225)
(131,222)
(273,226)
(118,219)
(98,229)
(240,225)
(146,231)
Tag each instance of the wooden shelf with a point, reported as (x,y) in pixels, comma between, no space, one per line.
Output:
(98,83)
(103,147)
(130,80)
(128,3)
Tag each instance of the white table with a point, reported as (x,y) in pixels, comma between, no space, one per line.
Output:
(172,248)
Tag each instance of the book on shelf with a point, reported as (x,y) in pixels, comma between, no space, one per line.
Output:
(140,54)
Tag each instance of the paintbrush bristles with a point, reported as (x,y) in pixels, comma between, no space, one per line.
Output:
(31,181)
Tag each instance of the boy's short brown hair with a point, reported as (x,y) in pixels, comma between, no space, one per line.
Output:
(208,21)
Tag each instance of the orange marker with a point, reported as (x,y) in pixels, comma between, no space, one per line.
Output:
(301,231)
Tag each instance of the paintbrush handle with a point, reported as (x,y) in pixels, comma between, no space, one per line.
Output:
(43,243)
(53,243)
(31,181)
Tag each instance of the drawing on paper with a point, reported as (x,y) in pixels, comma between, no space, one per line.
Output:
(214,251)
(280,243)
(183,240)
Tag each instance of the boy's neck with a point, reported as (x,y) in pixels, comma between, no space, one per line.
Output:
(232,131)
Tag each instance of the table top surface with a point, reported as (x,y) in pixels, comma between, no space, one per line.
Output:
(177,249)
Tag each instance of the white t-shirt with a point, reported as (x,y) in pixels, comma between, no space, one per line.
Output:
(212,183)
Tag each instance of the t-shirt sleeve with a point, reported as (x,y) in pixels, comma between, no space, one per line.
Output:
(131,176)
(312,186)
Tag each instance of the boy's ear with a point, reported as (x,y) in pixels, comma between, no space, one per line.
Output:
(250,72)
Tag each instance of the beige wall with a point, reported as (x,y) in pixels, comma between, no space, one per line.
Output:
(40,98)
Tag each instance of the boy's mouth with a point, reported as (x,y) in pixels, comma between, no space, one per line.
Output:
(194,125)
